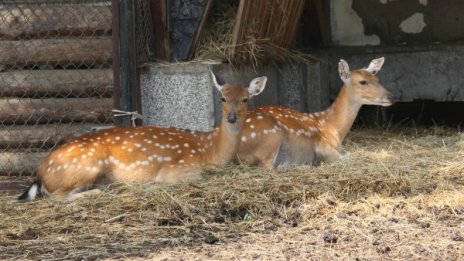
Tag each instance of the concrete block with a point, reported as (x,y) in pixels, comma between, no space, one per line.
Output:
(179,96)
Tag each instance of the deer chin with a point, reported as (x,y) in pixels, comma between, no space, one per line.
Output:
(235,127)
(378,102)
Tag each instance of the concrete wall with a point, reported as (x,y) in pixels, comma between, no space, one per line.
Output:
(411,73)
(386,22)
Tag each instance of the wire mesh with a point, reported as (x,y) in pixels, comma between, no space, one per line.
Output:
(144,40)
(55,76)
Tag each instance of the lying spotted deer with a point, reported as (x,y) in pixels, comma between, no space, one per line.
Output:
(275,135)
(144,154)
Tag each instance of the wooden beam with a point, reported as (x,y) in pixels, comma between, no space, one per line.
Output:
(40,137)
(39,111)
(160,33)
(77,51)
(14,185)
(20,164)
(38,20)
(57,83)
(201,27)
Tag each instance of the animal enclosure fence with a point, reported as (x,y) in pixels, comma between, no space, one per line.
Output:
(56,79)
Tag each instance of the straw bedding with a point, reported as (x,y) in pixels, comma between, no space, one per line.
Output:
(216,41)
(394,195)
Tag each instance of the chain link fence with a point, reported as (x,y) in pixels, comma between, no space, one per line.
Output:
(144,40)
(55,76)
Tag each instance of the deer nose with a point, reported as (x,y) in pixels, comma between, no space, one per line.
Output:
(391,97)
(232,117)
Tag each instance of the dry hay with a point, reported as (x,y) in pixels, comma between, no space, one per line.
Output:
(392,196)
(216,41)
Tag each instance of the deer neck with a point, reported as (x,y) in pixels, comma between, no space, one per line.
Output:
(225,142)
(342,113)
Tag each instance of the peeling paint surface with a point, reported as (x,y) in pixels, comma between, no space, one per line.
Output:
(414,24)
(397,21)
(348,27)
(423,2)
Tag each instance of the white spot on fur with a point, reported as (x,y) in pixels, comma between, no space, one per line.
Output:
(32,193)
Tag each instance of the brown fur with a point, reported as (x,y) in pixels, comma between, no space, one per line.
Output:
(145,154)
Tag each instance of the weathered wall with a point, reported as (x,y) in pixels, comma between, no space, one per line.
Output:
(420,39)
(410,73)
(386,22)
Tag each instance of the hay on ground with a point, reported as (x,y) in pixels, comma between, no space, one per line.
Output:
(392,196)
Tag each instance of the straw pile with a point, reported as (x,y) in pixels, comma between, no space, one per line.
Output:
(394,195)
(216,41)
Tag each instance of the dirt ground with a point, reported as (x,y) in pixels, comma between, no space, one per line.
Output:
(396,195)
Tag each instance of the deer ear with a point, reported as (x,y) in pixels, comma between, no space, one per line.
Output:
(216,84)
(344,71)
(375,66)
(257,85)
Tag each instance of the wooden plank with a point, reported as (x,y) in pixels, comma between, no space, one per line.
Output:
(40,137)
(36,20)
(160,33)
(13,185)
(57,83)
(20,164)
(323,14)
(201,27)
(236,33)
(77,51)
(39,111)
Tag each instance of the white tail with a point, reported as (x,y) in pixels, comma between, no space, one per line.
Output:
(144,154)
(274,135)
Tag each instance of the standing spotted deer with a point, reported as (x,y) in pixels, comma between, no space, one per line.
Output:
(275,135)
(144,154)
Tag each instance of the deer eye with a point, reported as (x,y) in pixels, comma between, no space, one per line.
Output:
(245,100)
(363,82)
(223,99)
